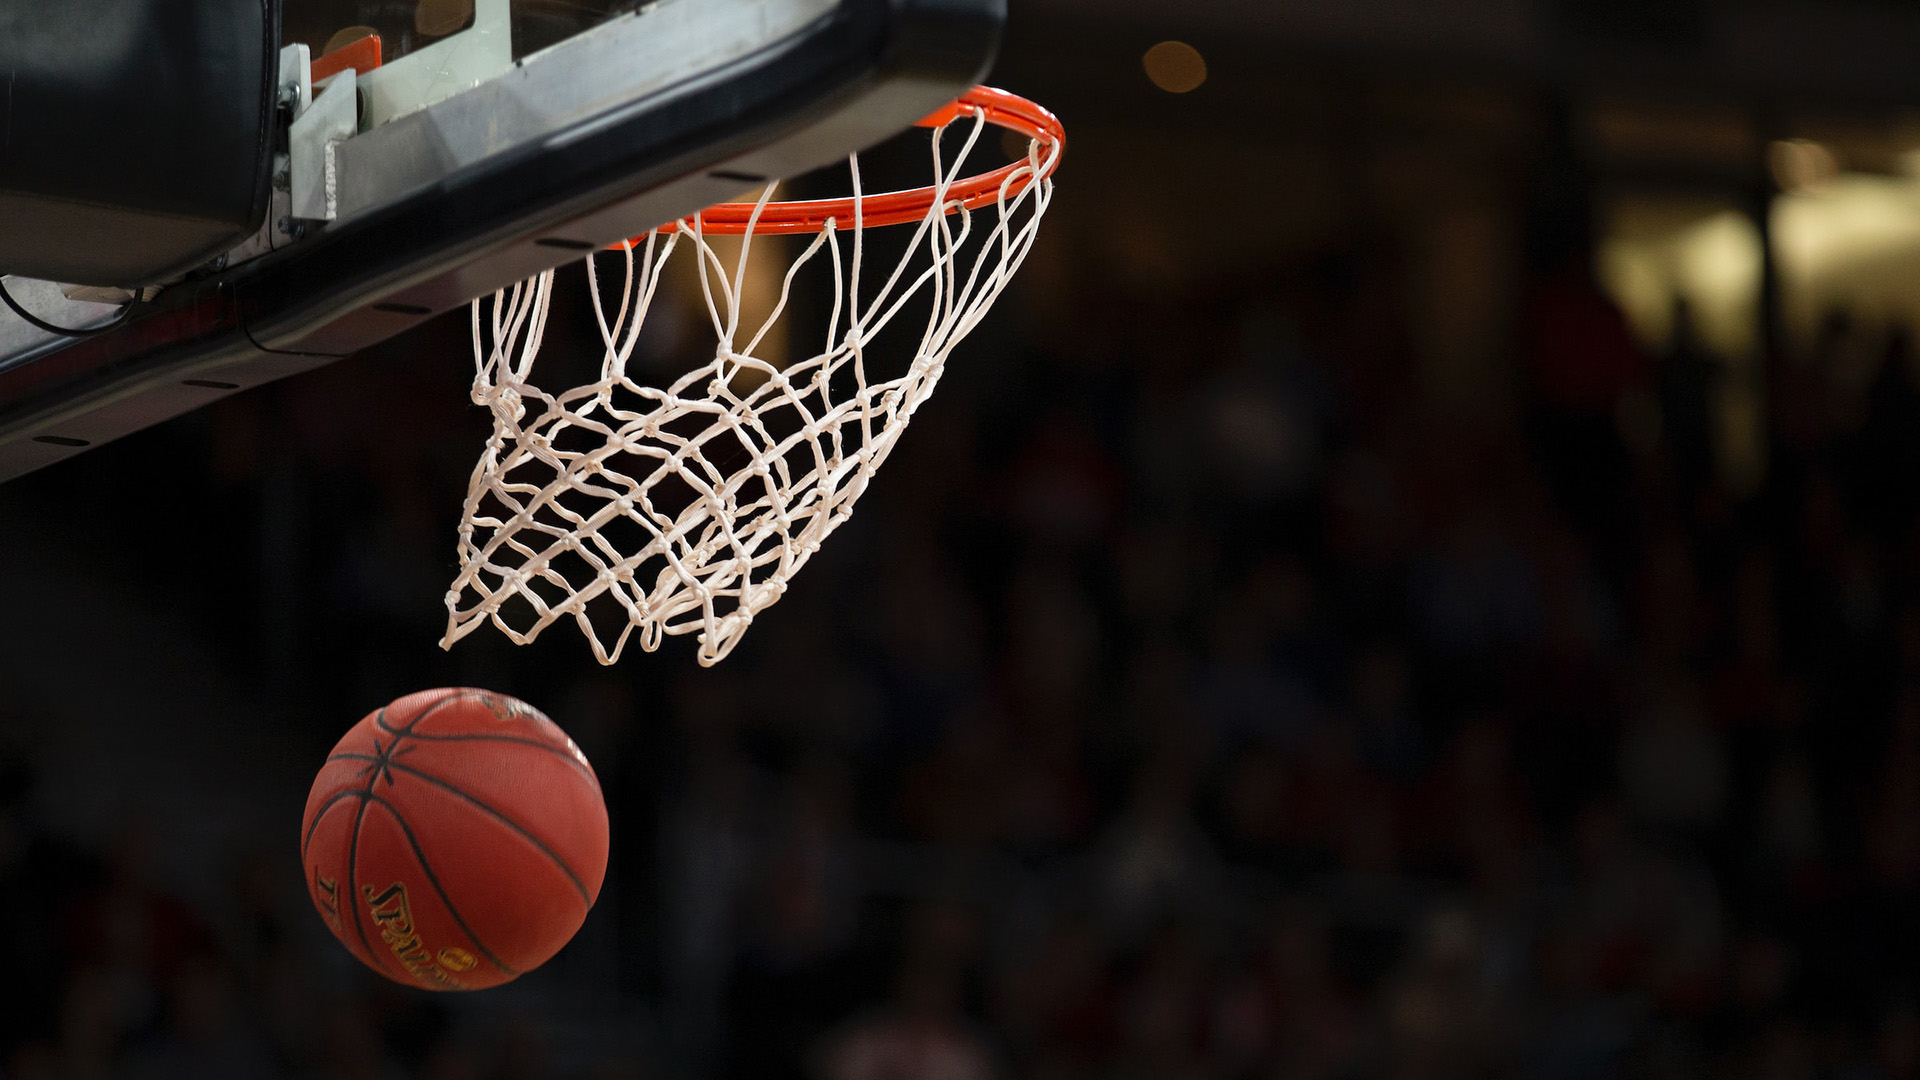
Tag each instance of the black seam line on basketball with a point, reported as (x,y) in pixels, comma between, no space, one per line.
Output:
(560,752)
(381,767)
(408,732)
(380,721)
(322,812)
(374,768)
(504,820)
(371,759)
(353,888)
(427,869)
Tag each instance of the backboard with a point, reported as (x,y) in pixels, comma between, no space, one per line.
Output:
(495,139)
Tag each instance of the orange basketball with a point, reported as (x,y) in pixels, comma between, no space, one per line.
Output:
(455,839)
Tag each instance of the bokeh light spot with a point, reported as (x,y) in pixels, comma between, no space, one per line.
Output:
(1175,66)
(1801,166)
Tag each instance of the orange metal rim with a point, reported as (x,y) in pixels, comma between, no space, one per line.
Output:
(996,107)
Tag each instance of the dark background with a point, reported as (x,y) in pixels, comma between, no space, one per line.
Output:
(1311,632)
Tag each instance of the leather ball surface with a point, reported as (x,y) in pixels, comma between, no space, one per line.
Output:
(455,839)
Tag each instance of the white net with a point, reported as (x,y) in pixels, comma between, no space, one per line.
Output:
(686,508)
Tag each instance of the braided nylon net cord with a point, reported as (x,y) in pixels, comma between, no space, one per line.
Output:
(687,508)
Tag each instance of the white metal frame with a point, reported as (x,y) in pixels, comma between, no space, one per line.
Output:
(447,67)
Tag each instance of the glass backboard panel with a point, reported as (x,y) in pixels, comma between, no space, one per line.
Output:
(407,26)
(540,23)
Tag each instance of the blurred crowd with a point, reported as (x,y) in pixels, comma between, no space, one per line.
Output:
(1193,698)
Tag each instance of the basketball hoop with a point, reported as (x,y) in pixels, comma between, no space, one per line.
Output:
(686,508)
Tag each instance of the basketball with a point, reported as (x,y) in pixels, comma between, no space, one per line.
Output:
(455,839)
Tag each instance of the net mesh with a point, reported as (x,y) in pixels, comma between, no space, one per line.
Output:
(687,508)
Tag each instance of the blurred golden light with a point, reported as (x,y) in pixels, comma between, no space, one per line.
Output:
(1175,66)
(1711,257)
(1802,166)
(1854,246)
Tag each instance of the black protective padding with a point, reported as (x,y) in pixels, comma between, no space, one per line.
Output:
(135,135)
